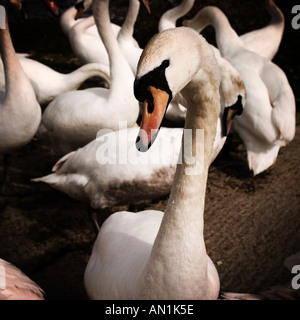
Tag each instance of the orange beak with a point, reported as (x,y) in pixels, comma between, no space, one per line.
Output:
(17,3)
(154,108)
(146,5)
(80,8)
(52,6)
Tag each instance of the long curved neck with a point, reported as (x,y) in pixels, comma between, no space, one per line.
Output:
(67,20)
(180,243)
(127,28)
(275,13)
(118,64)
(169,18)
(227,39)
(15,78)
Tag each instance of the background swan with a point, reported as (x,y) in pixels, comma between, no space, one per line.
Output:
(151,254)
(268,121)
(88,46)
(15,285)
(84,38)
(20,113)
(264,41)
(48,83)
(110,171)
(73,119)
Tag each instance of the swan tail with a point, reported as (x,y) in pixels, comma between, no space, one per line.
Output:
(62,161)
(261,159)
(282,100)
(284,117)
(72,184)
(15,285)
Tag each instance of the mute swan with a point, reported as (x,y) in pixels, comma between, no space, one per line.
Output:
(15,285)
(268,121)
(73,119)
(48,83)
(151,254)
(108,172)
(84,38)
(20,113)
(88,46)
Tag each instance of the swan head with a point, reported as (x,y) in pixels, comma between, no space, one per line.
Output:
(170,61)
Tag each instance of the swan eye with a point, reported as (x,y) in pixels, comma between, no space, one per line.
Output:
(165,63)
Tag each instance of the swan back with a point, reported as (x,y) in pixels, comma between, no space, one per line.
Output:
(15,285)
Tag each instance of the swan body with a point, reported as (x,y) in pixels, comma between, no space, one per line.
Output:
(110,171)
(48,83)
(15,285)
(151,254)
(268,121)
(73,119)
(20,113)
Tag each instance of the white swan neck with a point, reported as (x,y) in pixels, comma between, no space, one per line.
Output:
(119,67)
(127,28)
(180,237)
(67,20)
(169,18)
(226,37)
(15,77)
(84,24)
(275,12)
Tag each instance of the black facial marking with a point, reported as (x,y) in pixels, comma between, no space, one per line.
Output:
(155,78)
(238,107)
(150,104)
(79,5)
